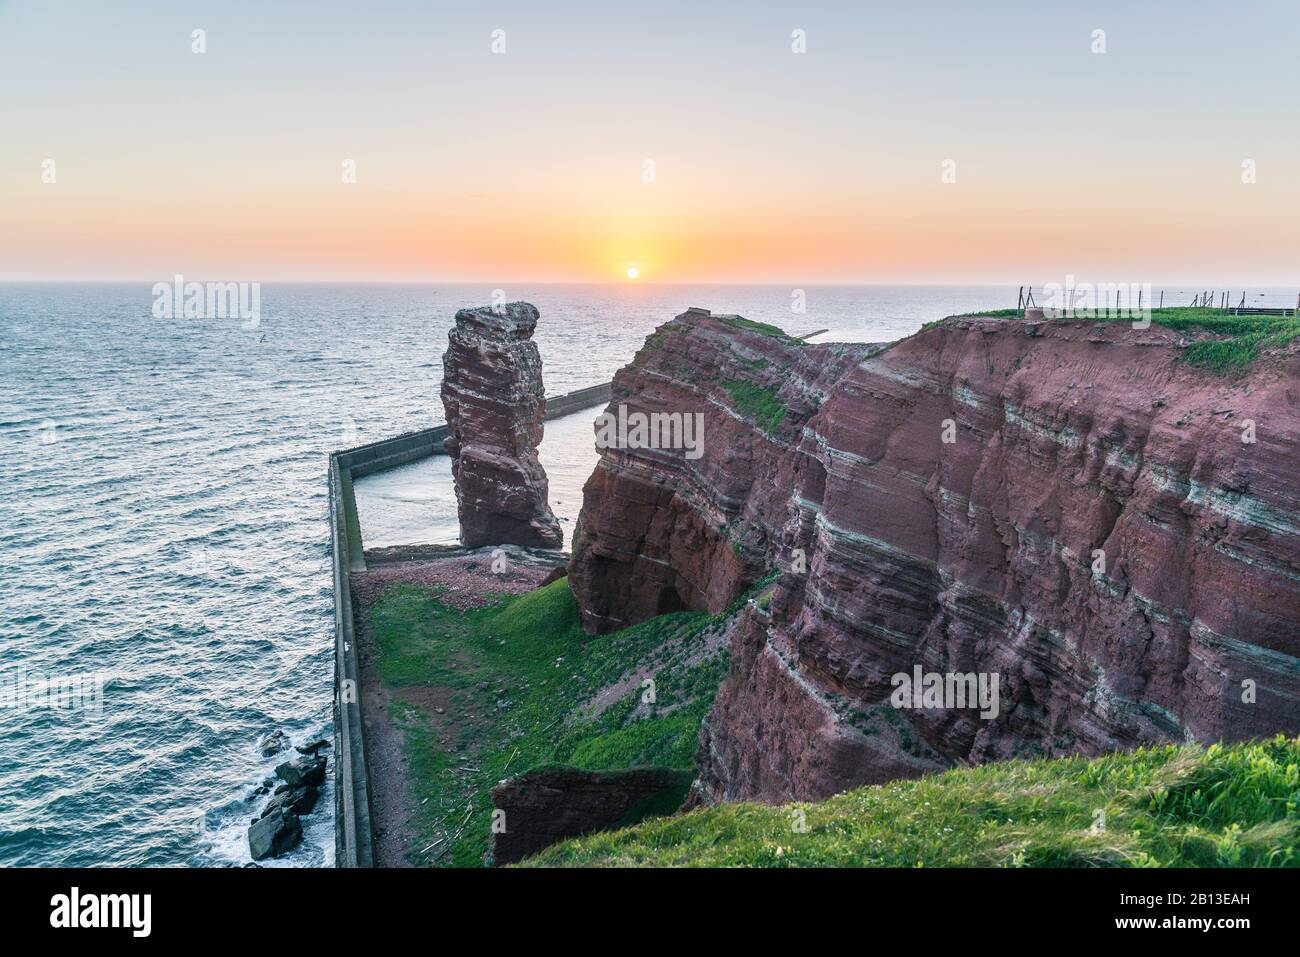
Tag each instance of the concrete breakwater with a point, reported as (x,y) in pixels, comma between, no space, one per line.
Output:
(354,825)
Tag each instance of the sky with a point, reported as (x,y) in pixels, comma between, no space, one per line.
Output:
(934,142)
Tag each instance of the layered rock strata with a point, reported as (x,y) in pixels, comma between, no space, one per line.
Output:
(494,401)
(661,531)
(1064,505)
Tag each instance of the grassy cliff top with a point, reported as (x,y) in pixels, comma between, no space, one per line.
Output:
(1172,806)
(1236,340)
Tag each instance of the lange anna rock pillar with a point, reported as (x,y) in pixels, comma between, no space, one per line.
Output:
(493,396)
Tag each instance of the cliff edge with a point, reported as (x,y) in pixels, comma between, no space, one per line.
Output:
(1105,536)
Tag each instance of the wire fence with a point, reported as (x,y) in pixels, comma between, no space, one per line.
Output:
(1132,296)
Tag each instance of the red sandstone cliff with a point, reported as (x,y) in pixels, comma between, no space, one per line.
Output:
(975,556)
(494,401)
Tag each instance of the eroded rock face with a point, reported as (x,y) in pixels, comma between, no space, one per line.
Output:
(551,804)
(1097,535)
(660,531)
(494,401)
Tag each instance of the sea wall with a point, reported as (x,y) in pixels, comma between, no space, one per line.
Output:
(353,828)
(354,824)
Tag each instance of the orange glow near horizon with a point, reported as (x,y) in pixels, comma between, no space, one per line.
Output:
(84,231)
(800,169)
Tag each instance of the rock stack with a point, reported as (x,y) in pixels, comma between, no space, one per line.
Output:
(493,396)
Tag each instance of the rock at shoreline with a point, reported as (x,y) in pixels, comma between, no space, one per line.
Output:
(313,746)
(273,743)
(302,771)
(277,828)
(277,833)
(299,800)
(494,401)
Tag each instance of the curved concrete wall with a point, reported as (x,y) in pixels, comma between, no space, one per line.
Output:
(354,827)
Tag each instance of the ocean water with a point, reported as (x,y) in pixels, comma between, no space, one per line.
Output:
(163,524)
(415,504)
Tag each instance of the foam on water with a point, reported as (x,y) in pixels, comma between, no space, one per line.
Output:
(163,524)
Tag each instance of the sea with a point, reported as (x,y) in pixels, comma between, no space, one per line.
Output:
(164,548)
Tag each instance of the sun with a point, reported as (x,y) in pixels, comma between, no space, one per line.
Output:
(633,272)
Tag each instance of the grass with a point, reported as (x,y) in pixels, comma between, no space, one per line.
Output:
(1237,343)
(987,313)
(1178,805)
(1242,336)
(763,328)
(515,680)
(759,404)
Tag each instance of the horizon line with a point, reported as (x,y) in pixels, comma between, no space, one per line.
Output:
(1193,285)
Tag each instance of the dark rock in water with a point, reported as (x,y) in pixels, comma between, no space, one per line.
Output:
(273,743)
(277,833)
(300,771)
(313,746)
(299,800)
(495,403)
(305,802)
(551,804)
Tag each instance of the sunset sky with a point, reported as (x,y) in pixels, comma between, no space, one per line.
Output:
(770,165)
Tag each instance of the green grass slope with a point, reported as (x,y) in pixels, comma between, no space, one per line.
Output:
(1240,338)
(516,681)
(760,405)
(1158,807)
(1236,342)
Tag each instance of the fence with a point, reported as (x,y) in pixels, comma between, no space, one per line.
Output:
(1226,301)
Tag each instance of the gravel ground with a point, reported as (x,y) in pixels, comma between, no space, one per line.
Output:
(465,575)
